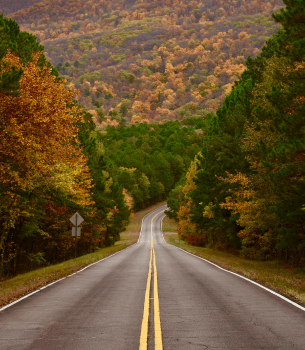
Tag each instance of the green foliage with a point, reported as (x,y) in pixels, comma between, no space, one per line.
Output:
(128,76)
(119,57)
(9,82)
(96,75)
(21,43)
(175,199)
(117,39)
(149,161)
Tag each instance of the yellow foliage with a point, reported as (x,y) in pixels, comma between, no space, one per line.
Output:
(184,215)
(199,48)
(38,133)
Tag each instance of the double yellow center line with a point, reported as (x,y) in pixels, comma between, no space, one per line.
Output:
(157,322)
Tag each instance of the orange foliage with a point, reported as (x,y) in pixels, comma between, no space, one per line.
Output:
(165,45)
(39,133)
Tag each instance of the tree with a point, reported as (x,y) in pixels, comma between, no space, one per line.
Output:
(39,147)
(270,199)
(21,43)
(187,230)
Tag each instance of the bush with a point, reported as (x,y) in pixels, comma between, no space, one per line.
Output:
(196,240)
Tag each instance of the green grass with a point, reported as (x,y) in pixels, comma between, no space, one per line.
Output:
(14,288)
(274,274)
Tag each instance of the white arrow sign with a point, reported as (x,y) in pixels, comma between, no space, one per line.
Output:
(76,219)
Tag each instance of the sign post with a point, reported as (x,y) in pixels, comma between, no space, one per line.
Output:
(76,220)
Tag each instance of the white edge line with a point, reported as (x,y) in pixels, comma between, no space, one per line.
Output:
(145,217)
(141,229)
(63,278)
(86,267)
(238,275)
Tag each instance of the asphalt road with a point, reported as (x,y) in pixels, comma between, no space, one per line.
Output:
(201,306)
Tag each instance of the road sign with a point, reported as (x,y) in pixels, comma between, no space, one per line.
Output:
(76,219)
(76,229)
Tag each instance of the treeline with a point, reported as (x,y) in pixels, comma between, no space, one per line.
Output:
(245,191)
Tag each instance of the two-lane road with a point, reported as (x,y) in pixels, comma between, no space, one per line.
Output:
(204,307)
(201,306)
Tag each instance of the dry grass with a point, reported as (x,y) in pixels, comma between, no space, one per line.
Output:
(169,225)
(134,227)
(14,288)
(274,274)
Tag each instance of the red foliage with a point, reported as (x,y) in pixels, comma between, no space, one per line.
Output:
(195,239)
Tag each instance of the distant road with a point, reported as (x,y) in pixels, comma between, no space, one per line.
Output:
(201,306)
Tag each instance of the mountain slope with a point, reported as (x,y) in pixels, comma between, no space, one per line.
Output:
(11,6)
(150,61)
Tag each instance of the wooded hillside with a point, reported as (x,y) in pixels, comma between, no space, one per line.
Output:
(8,7)
(150,61)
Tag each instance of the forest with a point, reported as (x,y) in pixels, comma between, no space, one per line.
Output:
(148,127)
(149,61)
(244,191)
(54,162)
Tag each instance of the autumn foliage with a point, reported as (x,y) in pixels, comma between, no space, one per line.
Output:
(140,61)
(47,164)
(139,66)
(39,153)
(39,134)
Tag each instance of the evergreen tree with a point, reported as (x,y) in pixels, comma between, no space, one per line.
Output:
(22,44)
(250,188)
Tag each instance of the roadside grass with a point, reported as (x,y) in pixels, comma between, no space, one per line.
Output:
(16,287)
(169,225)
(134,226)
(273,274)
(13,288)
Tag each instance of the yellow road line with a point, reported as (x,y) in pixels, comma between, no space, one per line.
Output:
(157,323)
(144,327)
(158,333)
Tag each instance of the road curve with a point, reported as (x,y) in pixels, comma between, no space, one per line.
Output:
(201,306)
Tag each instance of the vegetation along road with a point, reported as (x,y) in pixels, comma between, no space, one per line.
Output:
(156,296)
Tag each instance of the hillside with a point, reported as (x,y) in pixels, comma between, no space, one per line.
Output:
(150,61)
(11,6)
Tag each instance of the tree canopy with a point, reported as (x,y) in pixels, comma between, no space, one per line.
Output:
(249,186)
